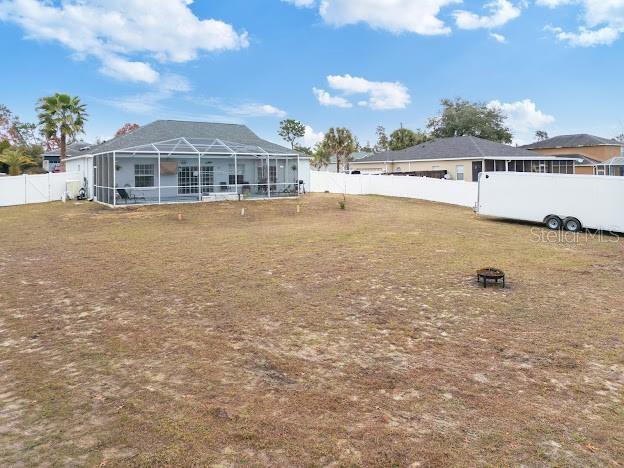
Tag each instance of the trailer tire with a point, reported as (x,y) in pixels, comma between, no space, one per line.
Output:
(572,225)
(553,222)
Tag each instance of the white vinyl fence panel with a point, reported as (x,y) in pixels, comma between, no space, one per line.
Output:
(40,188)
(423,188)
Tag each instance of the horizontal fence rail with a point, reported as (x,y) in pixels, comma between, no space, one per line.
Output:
(423,188)
(39,188)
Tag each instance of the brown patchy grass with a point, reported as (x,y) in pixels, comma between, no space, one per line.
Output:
(329,337)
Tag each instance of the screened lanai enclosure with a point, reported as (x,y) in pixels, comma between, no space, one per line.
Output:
(195,169)
(612,167)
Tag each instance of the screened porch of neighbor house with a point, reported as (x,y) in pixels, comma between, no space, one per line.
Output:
(194,170)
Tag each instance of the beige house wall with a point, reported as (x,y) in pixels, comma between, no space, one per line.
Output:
(409,166)
(599,153)
(584,170)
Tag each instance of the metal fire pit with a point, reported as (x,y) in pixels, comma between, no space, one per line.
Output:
(490,274)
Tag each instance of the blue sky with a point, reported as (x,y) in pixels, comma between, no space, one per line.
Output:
(549,64)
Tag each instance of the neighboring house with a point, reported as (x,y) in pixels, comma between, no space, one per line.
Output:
(331,167)
(463,158)
(171,161)
(52,159)
(596,149)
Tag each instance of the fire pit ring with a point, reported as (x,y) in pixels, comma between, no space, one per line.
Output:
(490,274)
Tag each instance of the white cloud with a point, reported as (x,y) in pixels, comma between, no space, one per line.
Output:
(237,111)
(382,95)
(603,22)
(150,102)
(124,34)
(499,38)
(255,110)
(524,118)
(301,3)
(126,70)
(500,13)
(397,16)
(553,3)
(326,99)
(587,37)
(311,137)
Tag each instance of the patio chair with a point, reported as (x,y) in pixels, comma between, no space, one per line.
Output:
(127,196)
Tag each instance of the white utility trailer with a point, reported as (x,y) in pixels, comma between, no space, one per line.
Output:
(571,202)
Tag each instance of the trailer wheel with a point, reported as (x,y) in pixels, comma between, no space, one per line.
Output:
(553,222)
(572,225)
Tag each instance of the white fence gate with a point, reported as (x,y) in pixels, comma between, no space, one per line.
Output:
(424,188)
(40,188)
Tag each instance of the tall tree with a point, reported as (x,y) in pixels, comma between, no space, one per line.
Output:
(321,157)
(403,138)
(62,117)
(15,159)
(383,144)
(541,135)
(341,143)
(16,132)
(127,128)
(463,118)
(291,130)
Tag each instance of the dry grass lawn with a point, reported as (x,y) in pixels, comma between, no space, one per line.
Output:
(328,337)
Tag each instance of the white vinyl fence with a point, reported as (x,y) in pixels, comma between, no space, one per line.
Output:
(424,188)
(40,188)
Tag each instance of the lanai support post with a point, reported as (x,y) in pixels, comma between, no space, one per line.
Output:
(236,173)
(114,178)
(159,198)
(268,176)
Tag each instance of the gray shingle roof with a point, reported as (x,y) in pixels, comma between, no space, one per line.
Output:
(357,156)
(572,141)
(74,149)
(581,159)
(465,147)
(163,130)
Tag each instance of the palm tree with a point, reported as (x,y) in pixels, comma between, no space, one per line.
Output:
(15,159)
(62,117)
(340,142)
(320,157)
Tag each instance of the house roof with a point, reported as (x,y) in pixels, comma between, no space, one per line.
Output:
(167,130)
(582,160)
(573,141)
(617,161)
(357,156)
(464,147)
(74,149)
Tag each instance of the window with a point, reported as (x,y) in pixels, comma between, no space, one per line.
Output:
(187,179)
(459,172)
(143,175)
(563,167)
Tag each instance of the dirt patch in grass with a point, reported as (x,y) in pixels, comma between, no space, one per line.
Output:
(329,336)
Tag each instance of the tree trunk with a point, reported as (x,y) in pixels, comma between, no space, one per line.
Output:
(338,163)
(63,152)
